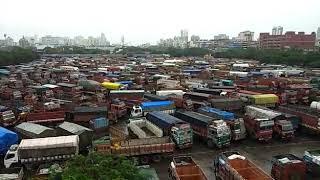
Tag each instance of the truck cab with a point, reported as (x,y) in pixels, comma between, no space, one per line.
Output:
(238,129)
(219,134)
(11,158)
(136,111)
(312,160)
(182,135)
(259,128)
(283,129)
(288,167)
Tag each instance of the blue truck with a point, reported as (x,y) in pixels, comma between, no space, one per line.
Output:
(178,130)
(237,127)
(150,106)
(7,138)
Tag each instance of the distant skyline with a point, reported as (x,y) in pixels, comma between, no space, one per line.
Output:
(147,21)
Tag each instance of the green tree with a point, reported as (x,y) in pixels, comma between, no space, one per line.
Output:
(97,166)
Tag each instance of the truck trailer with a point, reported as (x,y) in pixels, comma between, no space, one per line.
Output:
(233,166)
(214,132)
(144,129)
(178,130)
(145,150)
(185,168)
(237,127)
(287,167)
(42,150)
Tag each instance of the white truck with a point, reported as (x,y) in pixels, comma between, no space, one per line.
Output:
(42,150)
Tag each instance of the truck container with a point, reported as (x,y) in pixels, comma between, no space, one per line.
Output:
(154,97)
(11,173)
(42,150)
(197,96)
(145,107)
(185,168)
(43,117)
(310,120)
(268,100)
(85,134)
(7,117)
(30,130)
(214,132)
(288,167)
(146,150)
(126,94)
(144,129)
(99,125)
(84,114)
(170,92)
(233,166)
(227,104)
(178,130)
(312,159)
(7,138)
(237,127)
(258,127)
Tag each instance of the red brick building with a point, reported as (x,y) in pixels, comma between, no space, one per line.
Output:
(288,40)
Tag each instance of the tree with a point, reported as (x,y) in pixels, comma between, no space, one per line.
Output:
(96,166)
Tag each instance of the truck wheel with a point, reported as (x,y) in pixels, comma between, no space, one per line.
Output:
(156,158)
(210,143)
(144,160)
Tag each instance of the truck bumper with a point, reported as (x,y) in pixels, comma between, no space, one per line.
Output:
(185,146)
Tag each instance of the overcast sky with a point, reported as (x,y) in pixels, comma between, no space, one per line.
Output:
(143,21)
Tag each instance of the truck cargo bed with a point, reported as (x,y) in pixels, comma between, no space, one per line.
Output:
(248,170)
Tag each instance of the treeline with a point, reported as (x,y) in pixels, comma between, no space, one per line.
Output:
(16,55)
(175,52)
(289,57)
(73,50)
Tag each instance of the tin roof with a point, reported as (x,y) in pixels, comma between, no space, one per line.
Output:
(31,127)
(73,128)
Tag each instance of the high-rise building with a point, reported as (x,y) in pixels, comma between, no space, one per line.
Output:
(318,33)
(245,36)
(277,30)
(289,40)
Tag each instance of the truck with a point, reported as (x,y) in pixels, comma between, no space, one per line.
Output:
(37,151)
(312,159)
(309,118)
(237,127)
(145,150)
(287,167)
(154,97)
(258,127)
(214,132)
(185,168)
(116,109)
(282,128)
(181,102)
(7,138)
(227,104)
(144,129)
(145,107)
(178,130)
(267,100)
(43,117)
(11,173)
(232,165)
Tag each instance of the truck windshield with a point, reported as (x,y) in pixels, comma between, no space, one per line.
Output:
(236,126)
(264,128)
(287,127)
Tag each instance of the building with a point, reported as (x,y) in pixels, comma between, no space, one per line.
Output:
(221,37)
(318,37)
(24,43)
(245,36)
(289,40)
(277,30)
(54,40)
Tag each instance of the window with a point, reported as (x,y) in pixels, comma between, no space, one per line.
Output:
(9,156)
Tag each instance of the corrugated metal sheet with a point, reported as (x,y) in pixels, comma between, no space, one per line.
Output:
(34,130)
(73,128)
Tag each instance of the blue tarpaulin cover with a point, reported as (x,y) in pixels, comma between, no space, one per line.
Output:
(7,138)
(221,114)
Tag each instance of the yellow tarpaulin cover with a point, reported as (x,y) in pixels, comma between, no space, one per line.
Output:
(111,86)
(265,99)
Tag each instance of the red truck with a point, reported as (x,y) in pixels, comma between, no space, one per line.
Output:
(310,119)
(43,117)
(185,168)
(182,103)
(233,166)
(288,167)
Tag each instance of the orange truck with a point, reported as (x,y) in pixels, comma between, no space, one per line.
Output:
(185,168)
(146,150)
(233,166)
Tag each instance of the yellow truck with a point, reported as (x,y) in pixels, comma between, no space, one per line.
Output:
(111,86)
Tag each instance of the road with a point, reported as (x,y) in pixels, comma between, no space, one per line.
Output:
(260,153)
